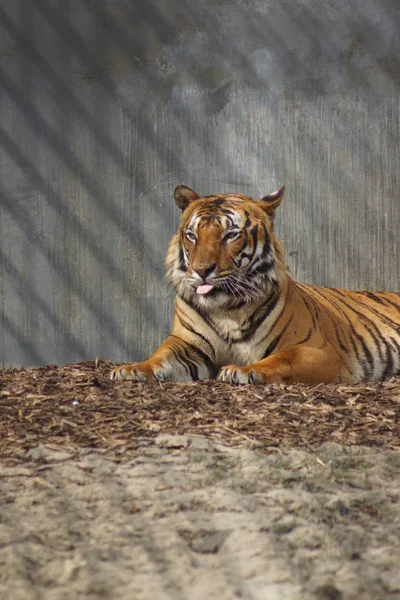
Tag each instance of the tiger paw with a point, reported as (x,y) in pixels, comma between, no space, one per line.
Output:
(135,372)
(239,375)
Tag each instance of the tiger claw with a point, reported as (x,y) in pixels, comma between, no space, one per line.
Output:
(141,372)
(239,375)
(127,373)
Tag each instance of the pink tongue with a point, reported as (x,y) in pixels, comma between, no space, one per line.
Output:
(204,289)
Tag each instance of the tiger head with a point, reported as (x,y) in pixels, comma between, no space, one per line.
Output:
(225,252)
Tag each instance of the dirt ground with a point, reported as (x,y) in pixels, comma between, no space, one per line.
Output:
(194,491)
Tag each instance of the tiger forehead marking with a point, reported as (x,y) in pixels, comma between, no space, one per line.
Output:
(224,220)
(227,212)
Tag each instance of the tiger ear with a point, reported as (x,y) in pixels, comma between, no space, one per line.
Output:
(184,196)
(271,202)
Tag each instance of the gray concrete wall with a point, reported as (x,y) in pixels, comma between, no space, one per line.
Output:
(107,106)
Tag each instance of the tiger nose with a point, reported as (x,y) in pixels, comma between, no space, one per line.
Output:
(205,270)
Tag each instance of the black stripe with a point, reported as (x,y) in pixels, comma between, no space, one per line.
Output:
(276,341)
(267,242)
(249,255)
(299,286)
(362,318)
(339,335)
(336,326)
(373,297)
(230,221)
(182,355)
(190,368)
(264,269)
(382,316)
(190,328)
(248,219)
(272,326)
(240,255)
(385,300)
(254,234)
(397,345)
(206,318)
(227,212)
(239,303)
(257,317)
(182,264)
(389,368)
(244,255)
(317,290)
(186,356)
(304,340)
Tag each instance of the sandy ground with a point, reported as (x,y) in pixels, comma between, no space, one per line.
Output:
(189,518)
(116,492)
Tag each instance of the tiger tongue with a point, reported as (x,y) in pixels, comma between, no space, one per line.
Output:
(204,288)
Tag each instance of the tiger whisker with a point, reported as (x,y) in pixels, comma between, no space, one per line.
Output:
(234,289)
(251,289)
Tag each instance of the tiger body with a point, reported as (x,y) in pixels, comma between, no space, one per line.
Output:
(240,317)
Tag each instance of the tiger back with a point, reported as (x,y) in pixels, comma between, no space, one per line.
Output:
(240,317)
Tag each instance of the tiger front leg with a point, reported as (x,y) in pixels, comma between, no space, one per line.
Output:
(175,360)
(295,365)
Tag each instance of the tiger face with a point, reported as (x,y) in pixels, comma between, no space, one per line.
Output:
(225,251)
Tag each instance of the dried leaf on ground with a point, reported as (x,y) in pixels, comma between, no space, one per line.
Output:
(77,405)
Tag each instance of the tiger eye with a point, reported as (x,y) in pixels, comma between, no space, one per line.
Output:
(231,235)
(191,236)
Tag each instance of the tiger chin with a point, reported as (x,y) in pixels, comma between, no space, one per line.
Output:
(240,317)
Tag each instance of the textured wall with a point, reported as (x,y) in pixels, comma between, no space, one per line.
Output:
(106,106)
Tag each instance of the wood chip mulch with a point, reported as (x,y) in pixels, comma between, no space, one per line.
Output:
(78,406)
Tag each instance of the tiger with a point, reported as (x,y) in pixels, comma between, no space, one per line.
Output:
(240,317)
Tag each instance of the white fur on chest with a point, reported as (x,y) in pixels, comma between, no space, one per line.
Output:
(228,349)
(239,354)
